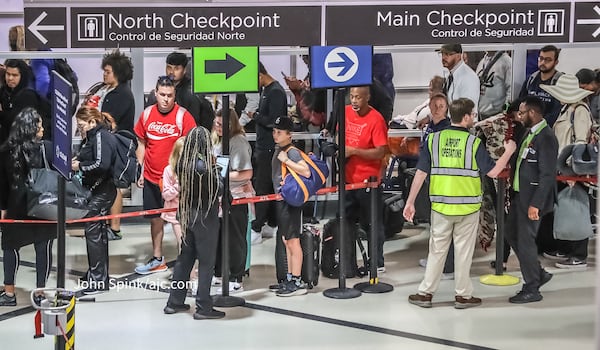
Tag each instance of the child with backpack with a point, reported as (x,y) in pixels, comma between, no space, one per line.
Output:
(170,190)
(289,217)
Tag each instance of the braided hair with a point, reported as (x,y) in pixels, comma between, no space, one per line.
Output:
(198,178)
(23,144)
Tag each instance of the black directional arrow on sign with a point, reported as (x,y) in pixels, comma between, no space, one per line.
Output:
(229,66)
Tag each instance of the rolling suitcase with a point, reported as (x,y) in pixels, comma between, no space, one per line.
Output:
(311,250)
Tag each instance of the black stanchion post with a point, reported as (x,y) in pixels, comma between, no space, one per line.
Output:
(499,278)
(374,286)
(225,300)
(500,198)
(60,343)
(342,292)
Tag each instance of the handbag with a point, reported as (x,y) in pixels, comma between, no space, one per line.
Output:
(42,194)
(297,189)
(572,215)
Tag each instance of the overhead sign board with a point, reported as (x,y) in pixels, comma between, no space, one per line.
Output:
(194,26)
(45,27)
(434,24)
(225,69)
(338,66)
(61,124)
(587,22)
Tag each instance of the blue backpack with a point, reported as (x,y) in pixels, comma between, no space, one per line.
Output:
(297,189)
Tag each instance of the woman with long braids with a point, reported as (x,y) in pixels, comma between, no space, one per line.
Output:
(199,185)
(22,151)
(94,161)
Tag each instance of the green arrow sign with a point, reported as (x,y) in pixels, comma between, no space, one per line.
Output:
(225,69)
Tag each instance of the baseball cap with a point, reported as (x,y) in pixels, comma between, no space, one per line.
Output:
(283,123)
(450,48)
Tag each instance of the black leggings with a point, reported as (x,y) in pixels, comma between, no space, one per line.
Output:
(43,263)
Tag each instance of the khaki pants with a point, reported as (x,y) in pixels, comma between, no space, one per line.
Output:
(443,229)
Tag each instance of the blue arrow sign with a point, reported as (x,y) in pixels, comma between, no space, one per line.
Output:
(339,66)
(346,63)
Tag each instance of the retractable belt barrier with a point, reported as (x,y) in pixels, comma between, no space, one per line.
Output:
(240,201)
(258,199)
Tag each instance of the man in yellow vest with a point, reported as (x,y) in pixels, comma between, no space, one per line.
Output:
(454,160)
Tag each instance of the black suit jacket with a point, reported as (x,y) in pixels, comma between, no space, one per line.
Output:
(537,175)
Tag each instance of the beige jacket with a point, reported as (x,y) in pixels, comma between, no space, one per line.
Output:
(579,131)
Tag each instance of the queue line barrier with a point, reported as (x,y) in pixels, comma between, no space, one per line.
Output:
(256,199)
(240,201)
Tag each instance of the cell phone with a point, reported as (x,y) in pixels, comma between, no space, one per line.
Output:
(223,162)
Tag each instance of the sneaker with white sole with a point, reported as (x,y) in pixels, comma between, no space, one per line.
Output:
(381,269)
(234,287)
(572,263)
(216,281)
(423,262)
(555,255)
(255,238)
(153,265)
(448,276)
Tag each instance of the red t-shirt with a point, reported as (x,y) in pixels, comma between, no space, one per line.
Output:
(159,132)
(368,131)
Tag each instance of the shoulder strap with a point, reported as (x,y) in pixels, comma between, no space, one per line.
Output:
(532,78)
(573,137)
(146,114)
(179,119)
(555,77)
(491,63)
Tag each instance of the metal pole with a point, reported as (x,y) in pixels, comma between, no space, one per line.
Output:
(500,197)
(225,300)
(342,292)
(60,343)
(374,286)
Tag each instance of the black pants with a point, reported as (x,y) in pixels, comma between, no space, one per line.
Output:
(96,239)
(521,233)
(43,263)
(358,204)
(238,246)
(200,243)
(263,184)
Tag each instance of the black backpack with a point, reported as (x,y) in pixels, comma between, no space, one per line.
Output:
(64,69)
(126,169)
(330,259)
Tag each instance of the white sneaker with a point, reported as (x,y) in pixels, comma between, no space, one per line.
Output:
(423,262)
(381,269)
(268,231)
(255,238)
(234,287)
(216,281)
(448,276)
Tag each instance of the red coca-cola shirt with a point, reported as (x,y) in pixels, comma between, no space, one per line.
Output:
(159,132)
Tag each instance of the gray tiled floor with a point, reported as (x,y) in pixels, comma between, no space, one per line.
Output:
(132,318)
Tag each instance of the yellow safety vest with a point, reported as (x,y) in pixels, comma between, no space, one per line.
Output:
(455,182)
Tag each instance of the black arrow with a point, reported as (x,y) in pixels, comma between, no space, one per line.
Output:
(229,66)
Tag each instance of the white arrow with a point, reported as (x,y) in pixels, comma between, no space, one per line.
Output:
(35,27)
(592,21)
